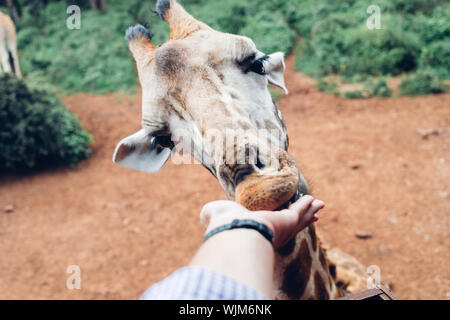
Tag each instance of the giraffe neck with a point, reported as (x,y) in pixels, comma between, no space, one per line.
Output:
(302,270)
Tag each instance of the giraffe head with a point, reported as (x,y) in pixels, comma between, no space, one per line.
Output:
(205,93)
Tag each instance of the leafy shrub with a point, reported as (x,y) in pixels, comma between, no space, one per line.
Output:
(96,59)
(335,40)
(355,94)
(422,83)
(36,130)
(415,6)
(303,16)
(372,88)
(430,28)
(363,51)
(269,32)
(93,59)
(227,16)
(437,56)
(328,86)
(377,88)
(414,35)
(255,19)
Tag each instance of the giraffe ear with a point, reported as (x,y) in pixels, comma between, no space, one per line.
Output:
(140,151)
(275,70)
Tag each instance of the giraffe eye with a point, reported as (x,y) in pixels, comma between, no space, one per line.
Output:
(258,66)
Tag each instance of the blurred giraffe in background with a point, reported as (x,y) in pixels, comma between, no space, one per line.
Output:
(196,87)
(8,45)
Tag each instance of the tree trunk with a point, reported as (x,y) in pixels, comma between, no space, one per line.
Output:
(93,4)
(98,4)
(103,6)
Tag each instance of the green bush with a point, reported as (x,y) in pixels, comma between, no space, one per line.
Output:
(414,35)
(255,19)
(415,6)
(36,130)
(269,32)
(372,88)
(328,86)
(226,16)
(430,28)
(93,59)
(335,40)
(96,59)
(437,56)
(355,94)
(359,50)
(422,83)
(377,88)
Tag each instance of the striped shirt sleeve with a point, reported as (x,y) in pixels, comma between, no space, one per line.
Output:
(194,283)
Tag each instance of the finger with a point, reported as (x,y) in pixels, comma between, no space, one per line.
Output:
(316,205)
(299,208)
(301,204)
(291,218)
(309,215)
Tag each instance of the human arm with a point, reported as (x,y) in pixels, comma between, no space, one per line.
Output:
(244,254)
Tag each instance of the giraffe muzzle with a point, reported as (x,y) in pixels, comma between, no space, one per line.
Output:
(272,189)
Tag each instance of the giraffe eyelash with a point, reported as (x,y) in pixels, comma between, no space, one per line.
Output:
(247,61)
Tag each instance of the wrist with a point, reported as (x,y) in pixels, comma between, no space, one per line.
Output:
(223,225)
(219,221)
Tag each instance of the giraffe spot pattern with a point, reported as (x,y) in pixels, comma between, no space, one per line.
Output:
(297,273)
(319,287)
(287,248)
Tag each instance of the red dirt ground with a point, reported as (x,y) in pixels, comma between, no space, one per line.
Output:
(367,159)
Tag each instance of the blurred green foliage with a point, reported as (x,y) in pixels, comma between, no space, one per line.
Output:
(355,94)
(372,87)
(414,36)
(436,56)
(377,88)
(93,59)
(423,82)
(96,59)
(37,130)
(329,86)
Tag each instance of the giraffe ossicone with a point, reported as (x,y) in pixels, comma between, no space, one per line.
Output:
(202,81)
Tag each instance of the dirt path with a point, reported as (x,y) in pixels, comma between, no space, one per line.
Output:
(366,159)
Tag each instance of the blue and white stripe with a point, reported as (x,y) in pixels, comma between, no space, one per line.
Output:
(194,283)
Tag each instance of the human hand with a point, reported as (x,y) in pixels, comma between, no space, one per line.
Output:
(285,224)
